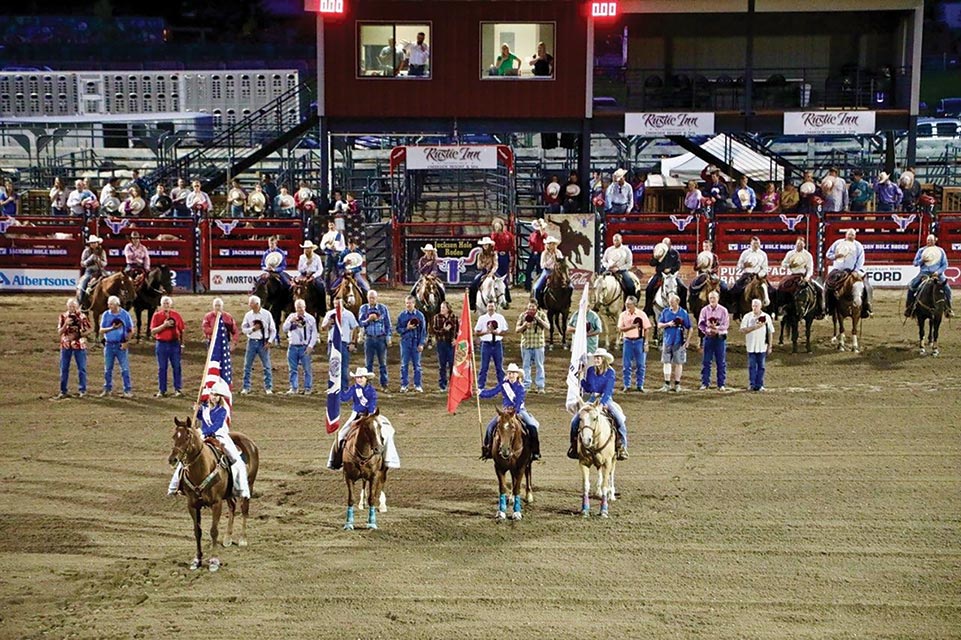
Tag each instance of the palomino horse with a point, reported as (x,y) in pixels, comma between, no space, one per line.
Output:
(155,284)
(274,296)
(511,451)
(492,289)
(315,301)
(669,287)
(557,301)
(929,305)
(207,482)
(350,294)
(844,299)
(596,449)
(117,284)
(429,296)
(799,300)
(607,299)
(364,460)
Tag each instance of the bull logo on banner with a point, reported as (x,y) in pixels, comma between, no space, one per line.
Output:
(227,227)
(453,267)
(6,224)
(681,223)
(903,222)
(116,226)
(791,222)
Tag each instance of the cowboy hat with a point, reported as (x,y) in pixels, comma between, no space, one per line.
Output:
(704,259)
(601,352)
(807,188)
(236,196)
(273,260)
(111,203)
(907,179)
(353,260)
(931,255)
(797,260)
(220,388)
(93,239)
(286,201)
(551,240)
(539,223)
(134,205)
(428,247)
(485,241)
(620,173)
(308,245)
(513,368)
(882,177)
(844,249)
(660,250)
(361,372)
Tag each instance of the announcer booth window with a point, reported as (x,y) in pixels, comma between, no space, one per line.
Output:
(517,50)
(394,50)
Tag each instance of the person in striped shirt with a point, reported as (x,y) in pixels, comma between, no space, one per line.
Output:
(532,325)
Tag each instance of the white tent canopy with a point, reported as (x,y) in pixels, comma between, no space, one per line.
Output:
(688,166)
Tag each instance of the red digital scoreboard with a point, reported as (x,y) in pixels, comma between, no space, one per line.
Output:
(330,7)
(603,9)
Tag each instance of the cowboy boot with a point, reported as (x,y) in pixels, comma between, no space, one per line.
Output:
(909,305)
(337,460)
(572,452)
(486,451)
(619,449)
(535,441)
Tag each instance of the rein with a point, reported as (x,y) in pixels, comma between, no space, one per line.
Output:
(206,482)
(592,450)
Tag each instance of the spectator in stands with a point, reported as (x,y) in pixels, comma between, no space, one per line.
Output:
(444,327)
(339,207)
(167,327)
(717,190)
(506,64)
(834,191)
(115,329)
(109,195)
(58,198)
(535,244)
(543,64)
(375,320)
(179,196)
(257,202)
(692,197)
(552,196)
(596,184)
(81,199)
(808,191)
(505,248)
(270,190)
(889,194)
(770,199)
(790,198)
(304,199)
(134,204)
(332,244)
(353,207)
(197,201)
(236,199)
(859,192)
(910,189)
(572,194)
(418,57)
(745,199)
(639,184)
(228,320)
(301,330)
(135,179)
(9,199)
(73,328)
(284,204)
(620,195)
(160,203)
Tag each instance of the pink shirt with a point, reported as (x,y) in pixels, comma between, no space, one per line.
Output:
(137,256)
(718,317)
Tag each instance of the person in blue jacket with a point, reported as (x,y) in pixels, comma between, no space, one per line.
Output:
(932,261)
(274,260)
(599,383)
(363,399)
(513,393)
(412,329)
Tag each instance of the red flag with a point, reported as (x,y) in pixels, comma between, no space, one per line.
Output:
(462,378)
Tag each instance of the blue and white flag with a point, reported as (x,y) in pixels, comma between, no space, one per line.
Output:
(336,362)
(578,355)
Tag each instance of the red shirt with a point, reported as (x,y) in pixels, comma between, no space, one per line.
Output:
(228,321)
(536,241)
(169,334)
(503,241)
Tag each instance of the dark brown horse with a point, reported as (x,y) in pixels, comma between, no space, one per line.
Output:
(151,287)
(511,451)
(844,293)
(929,306)
(429,295)
(206,482)
(557,301)
(798,299)
(753,289)
(275,296)
(116,284)
(316,302)
(364,460)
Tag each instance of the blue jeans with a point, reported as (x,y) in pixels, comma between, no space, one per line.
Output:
(168,353)
(715,350)
(409,355)
(540,282)
(886,206)
(445,362)
(524,416)
(237,211)
(755,369)
(533,262)
(80,355)
(377,346)
(635,361)
(616,412)
(344,364)
(258,349)
(535,357)
(111,352)
(298,356)
(628,284)
(493,350)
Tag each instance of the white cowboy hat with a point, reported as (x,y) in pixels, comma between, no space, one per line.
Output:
(428,247)
(844,249)
(111,204)
(513,368)
(882,177)
(220,388)
(704,259)
(551,240)
(906,179)
(236,196)
(827,184)
(257,200)
(273,260)
(660,250)
(797,260)
(931,255)
(308,245)
(539,223)
(485,241)
(601,352)
(553,189)
(807,188)
(287,202)
(353,260)
(361,372)
(136,205)
(620,173)
(93,239)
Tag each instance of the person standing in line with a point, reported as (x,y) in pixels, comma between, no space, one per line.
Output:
(261,331)
(532,325)
(412,329)
(759,343)
(593,323)
(208,323)
(349,328)
(301,330)
(635,327)
(116,327)
(444,327)
(167,328)
(676,325)
(491,327)
(714,323)
(73,329)
(378,330)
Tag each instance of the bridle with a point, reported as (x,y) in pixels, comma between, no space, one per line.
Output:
(592,450)
(600,301)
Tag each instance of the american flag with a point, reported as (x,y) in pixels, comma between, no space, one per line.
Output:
(333,381)
(218,363)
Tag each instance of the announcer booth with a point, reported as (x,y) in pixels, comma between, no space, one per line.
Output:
(171,242)
(642,231)
(40,253)
(732,233)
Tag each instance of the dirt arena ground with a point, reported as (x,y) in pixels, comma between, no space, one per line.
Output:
(827,508)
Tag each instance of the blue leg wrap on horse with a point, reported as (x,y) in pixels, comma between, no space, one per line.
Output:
(350,514)
(517,504)
(502,503)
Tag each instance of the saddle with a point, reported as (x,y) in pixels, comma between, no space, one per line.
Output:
(223,460)
(791,283)
(701,280)
(836,279)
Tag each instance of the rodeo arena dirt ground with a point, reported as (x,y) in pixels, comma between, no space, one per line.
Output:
(828,507)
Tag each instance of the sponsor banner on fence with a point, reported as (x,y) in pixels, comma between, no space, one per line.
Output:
(890,276)
(458,258)
(236,279)
(669,123)
(12,279)
(578,235)
(452,157)
(820,123)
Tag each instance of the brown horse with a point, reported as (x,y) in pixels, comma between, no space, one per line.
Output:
(350,294)
(151,286)
(364,461)
(557,301)
(429,295)
(117,284)
(844,293)
(304,289)
(511,451)
(206,482)
(753,289)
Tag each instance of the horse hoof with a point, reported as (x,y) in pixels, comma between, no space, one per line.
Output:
(349,526)
(936,353)
(242,542)
(227,542)
(604,514)
(501,516)
(922,352)
(516,515)
(834,340)
(529,498)
(195,564)
(585,513)
(214,565)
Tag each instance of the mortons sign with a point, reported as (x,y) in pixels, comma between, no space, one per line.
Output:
(822,123)
(672,123)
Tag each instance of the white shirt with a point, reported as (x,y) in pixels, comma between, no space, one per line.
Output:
(74,202)
(418,54)
(806,265)
(256,334)
(618,258)
(58,199)
(194,197)
(752,261)
(621,194)
(314,266)
(757,341)
(348,323)
(301,334)
(482,326)
(549,261)
(106,192)
(334,241)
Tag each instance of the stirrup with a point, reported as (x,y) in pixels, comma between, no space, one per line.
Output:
(572,452)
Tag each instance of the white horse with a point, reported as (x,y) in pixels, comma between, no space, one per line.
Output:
(595,449)
(492,289)
(607,299)
(661,298)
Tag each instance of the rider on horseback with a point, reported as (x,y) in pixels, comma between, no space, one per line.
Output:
(599,382)
(274,260)
(93,261)
(486,264)
(618,261)
(429,266)
(800,265)
(707,267)
(933,261)
(137,257)
(666,260)
(364,398)
(310,267)
(848,256)
(332,244)
(550,259)
(351,262)
(752,264)
(513,393)
(504,247)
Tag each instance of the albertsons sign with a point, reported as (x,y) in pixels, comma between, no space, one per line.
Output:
(38,279)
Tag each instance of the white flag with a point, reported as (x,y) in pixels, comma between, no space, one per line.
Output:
(578,354)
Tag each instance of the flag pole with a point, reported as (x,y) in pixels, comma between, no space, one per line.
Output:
(473,368)
(210,353)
